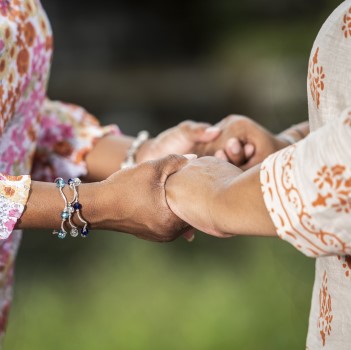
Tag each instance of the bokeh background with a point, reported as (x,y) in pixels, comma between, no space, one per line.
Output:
(149,65)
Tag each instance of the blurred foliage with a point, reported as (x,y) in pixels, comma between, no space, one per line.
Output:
(115,292)
(151,65)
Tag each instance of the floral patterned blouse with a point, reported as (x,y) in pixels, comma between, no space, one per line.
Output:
(307,186)
(37,136)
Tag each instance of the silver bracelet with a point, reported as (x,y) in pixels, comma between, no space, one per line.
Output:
(142,137)
(73,185)
(69,209)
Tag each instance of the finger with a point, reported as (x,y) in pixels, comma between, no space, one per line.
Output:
(170,165)
(221,155)
(189,235)
(199,132)
(209,134)
(235,151)
(249,150)
(190,156)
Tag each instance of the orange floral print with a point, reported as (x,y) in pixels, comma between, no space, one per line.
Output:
(29,33)
(316,78)
(9,191)
(346,264)
(317,240)
(14,178)
(334,186)
(63,148)
(346,27)
(325,314)
(23,61)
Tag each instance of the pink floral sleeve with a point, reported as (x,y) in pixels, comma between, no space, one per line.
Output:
(67,134)
(307,190)
(14,192)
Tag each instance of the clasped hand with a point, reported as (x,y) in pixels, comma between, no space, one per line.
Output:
(150,203)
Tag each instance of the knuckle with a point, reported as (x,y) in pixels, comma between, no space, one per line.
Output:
(186,124)
(175,159)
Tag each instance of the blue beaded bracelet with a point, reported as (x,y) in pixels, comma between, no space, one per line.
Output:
(70,208)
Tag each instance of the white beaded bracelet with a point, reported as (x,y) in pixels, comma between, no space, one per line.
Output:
(142,137)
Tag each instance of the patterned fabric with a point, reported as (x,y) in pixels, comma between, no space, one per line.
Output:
(307,186)
(50,138)
(14,191)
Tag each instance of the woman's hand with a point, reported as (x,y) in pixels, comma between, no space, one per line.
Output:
(134,201)
(243,142)
(184,138)
(219,199)
(193,190)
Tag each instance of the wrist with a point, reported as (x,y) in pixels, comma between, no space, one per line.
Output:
(145,152)
(282,141)
(92,199)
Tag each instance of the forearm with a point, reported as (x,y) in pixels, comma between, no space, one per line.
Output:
(109,153)
(45,205)
(107,156)
(238,207)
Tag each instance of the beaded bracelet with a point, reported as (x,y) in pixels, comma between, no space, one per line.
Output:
(74,184)
(142,137)
(70,208)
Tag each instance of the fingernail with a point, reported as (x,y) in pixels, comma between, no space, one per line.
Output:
(190,156)
(191,238)
(249,150)
(221,155)
(212,130)
(234,146)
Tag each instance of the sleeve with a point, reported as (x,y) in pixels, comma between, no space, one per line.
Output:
(67,134)
(307,190)
(14,192)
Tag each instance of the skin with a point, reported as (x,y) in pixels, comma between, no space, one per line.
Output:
(245,143)
(219,199)
(134,200)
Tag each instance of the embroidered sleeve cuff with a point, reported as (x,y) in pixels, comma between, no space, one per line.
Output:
(14,192)
(307,192)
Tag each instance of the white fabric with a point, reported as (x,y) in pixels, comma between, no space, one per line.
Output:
(307,186)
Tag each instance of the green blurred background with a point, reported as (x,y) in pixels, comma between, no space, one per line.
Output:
(149,65)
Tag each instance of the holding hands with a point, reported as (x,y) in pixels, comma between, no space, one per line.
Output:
(237,139)
(139,198)
(162,199)
(174,194)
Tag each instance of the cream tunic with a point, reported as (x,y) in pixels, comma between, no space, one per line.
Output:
(307,186)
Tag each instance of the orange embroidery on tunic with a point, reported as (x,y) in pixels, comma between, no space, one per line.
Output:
(346,264)
(347,121)
(317,240)
(316,78)
(346,28)
(334,188)
(325,314)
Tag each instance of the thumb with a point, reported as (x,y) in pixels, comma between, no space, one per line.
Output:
(199,132)
(172,164)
